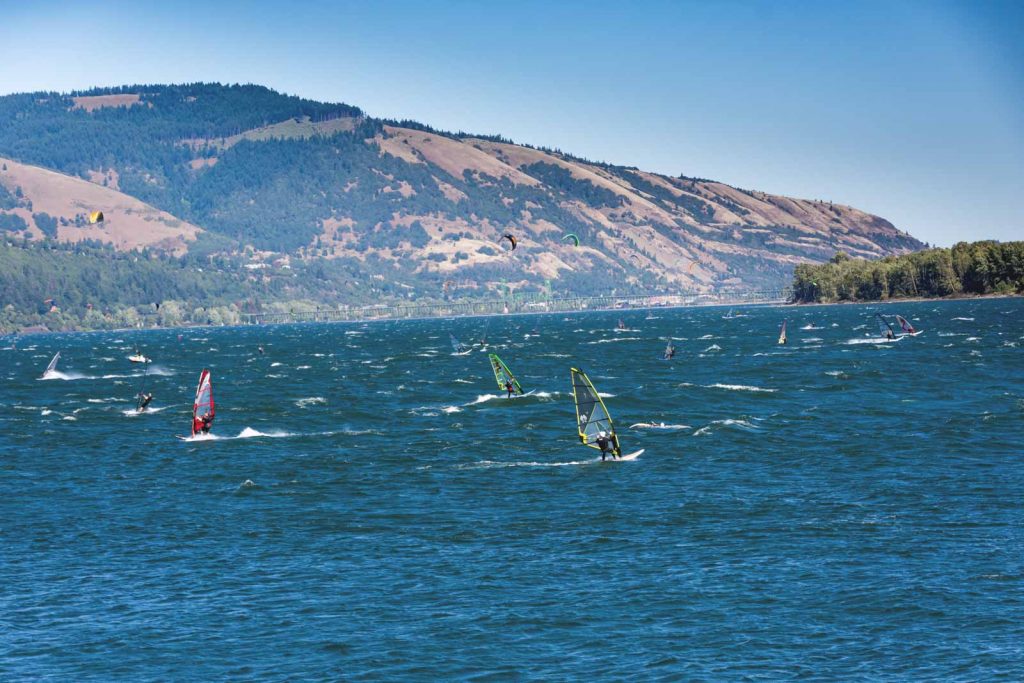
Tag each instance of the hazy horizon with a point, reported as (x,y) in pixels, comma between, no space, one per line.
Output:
(910,111)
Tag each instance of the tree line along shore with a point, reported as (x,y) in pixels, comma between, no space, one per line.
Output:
(966,269)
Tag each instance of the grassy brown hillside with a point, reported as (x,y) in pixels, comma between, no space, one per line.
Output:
(58,206)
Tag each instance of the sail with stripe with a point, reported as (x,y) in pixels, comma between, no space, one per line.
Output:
(592,418)
(884,327)
(905,325)
(503,375)
(202,407)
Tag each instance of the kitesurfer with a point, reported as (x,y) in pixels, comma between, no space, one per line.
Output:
(146,400)
(510,388)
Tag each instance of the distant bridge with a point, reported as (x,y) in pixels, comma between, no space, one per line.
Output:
(523,303)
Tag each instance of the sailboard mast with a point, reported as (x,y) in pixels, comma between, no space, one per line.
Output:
(203,405)
(53,364)
(884,327)
(592,416)
(502,374)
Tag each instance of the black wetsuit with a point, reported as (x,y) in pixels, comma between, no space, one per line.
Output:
(510,389)
(146,400)
(605,446)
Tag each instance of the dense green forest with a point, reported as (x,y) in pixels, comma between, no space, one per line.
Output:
(968,268)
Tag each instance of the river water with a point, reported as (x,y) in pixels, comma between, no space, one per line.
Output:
(370,508)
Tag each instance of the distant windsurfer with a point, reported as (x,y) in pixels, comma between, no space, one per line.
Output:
(260,349)
(144,401)
(608,444)
(889,335)
(670,352)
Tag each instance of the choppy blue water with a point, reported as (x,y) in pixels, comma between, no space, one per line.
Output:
(834,508)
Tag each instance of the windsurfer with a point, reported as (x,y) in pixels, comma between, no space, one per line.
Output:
(206,421)
(145,400)
(608,444)
(670,352)
(889,335)
(510,388)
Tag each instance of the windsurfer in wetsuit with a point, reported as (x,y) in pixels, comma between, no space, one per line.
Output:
(146,400)
(889,335)
(510,388)
(207,421)
(607,445)
(670,352)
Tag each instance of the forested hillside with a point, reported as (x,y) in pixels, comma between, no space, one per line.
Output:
(967,268)
(250,175)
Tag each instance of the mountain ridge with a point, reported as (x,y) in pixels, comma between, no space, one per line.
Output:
(258,176)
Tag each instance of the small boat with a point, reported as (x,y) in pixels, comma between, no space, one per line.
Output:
(137,357)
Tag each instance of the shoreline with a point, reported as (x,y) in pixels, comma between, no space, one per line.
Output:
(901,300)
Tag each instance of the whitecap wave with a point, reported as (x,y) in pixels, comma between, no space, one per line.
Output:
(66,376)
(657,425)
(609,341)
(738,424)
(311,401)
(741,387)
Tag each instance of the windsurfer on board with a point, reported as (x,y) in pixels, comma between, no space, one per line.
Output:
(144,401)
(670,352)
(607,444)
(510,388)
(205,422)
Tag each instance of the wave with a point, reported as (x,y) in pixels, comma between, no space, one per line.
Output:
(811,326)
(132,412)
(250,433)
(452,409)
(617,339)
(713,347)
(871,340)
(738,424)
(837,373)
(970,320)
(311,401)
(491,464)
(740,387)
(657,425)
(810,340)
(66,376)
(276,364)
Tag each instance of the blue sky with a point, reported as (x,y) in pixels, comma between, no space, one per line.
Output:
(911,110)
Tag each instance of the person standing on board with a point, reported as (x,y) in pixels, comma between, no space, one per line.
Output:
(146,400)
(607,445)
(510,388)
